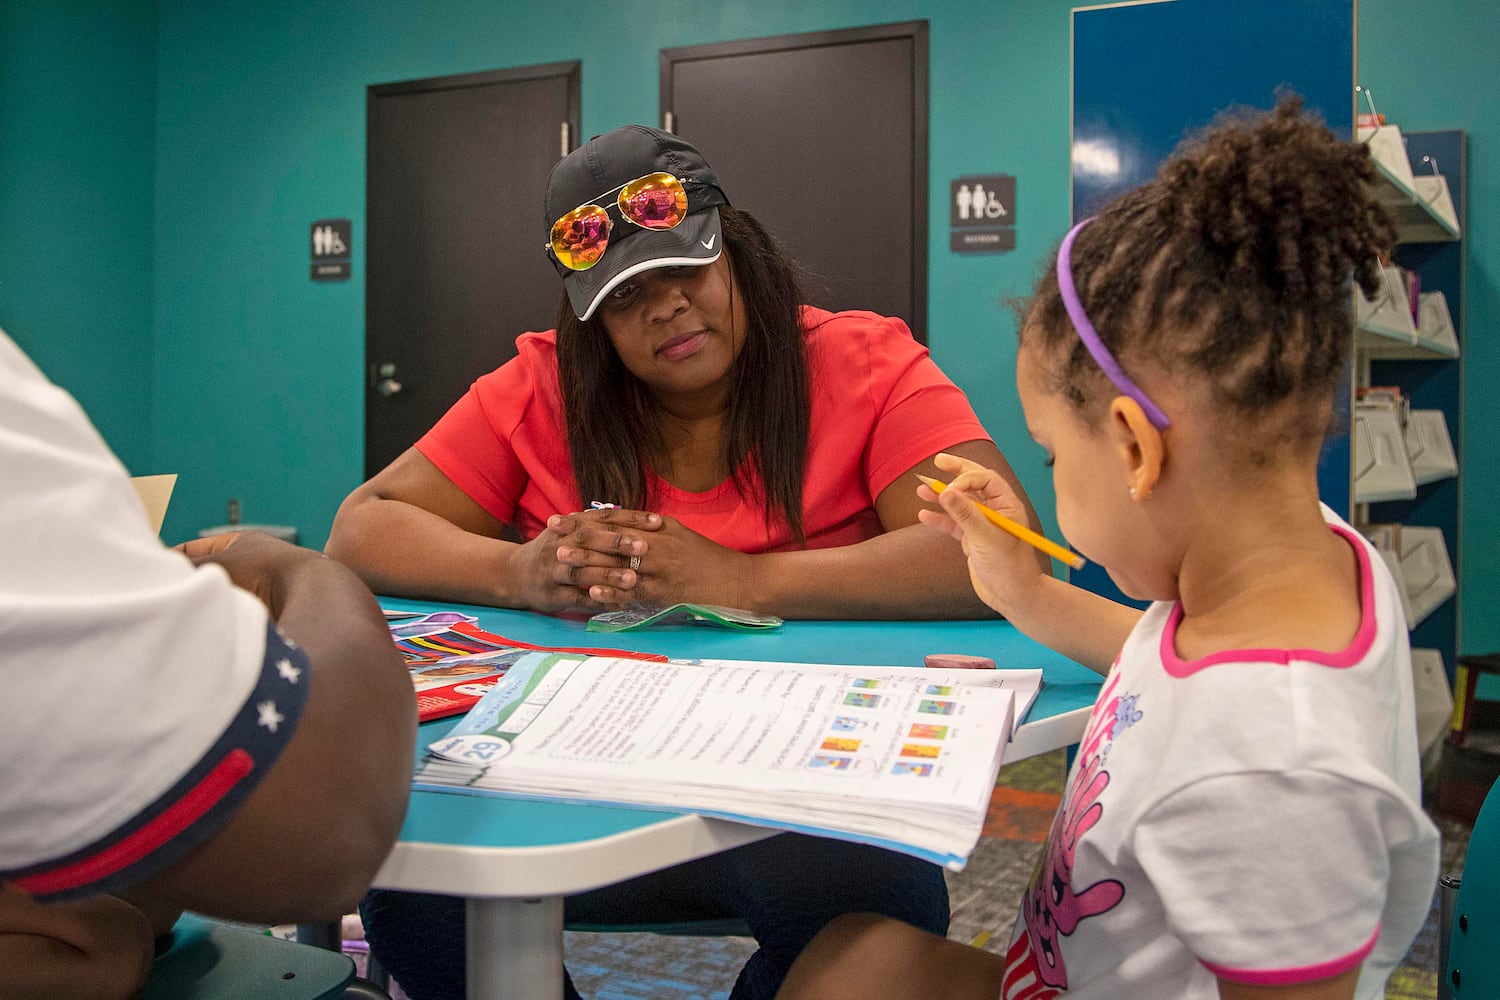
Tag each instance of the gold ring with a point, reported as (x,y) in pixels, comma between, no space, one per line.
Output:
(635,562)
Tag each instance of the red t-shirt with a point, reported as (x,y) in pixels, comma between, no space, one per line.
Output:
(879,406)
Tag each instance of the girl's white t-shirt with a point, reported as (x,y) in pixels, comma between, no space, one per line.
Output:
(1254,815)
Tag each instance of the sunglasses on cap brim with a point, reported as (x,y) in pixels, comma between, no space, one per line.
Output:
(656,201)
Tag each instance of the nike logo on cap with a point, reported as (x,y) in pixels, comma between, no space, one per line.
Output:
(708,244)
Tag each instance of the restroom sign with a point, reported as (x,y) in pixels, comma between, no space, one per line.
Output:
(982,213)
(332,249)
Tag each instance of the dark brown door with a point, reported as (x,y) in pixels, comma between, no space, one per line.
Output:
(454,264)
(823,137)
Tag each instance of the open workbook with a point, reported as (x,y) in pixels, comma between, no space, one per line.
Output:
(894,756)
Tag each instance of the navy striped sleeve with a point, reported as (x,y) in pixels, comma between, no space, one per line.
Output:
(200,803)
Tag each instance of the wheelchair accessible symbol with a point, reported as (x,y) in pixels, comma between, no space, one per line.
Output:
(332,249)
(979,203)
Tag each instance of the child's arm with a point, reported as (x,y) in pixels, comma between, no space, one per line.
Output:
(1077,623)
(862,956)
(1340,987)
(98,948)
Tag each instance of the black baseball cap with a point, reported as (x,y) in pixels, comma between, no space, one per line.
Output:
(609,161)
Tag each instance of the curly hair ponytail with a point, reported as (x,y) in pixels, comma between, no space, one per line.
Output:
(1231,267)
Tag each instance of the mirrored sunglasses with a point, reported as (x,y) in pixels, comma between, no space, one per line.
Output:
(655,201)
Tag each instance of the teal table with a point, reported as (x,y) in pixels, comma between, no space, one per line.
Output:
(514,860)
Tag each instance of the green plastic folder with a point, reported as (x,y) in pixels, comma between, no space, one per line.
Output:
(641,615)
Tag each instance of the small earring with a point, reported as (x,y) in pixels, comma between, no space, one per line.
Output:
(1132,492)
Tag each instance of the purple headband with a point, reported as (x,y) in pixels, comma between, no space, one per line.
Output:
(1090,336)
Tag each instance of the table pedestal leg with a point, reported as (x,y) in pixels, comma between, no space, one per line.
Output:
(515,949)
(326,935)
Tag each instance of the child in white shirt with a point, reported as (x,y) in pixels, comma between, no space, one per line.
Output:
(1243,818)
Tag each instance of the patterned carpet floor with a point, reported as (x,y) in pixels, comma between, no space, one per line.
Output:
(984,897)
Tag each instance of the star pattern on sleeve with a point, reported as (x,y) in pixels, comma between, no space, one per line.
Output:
(268,716)
(288,671)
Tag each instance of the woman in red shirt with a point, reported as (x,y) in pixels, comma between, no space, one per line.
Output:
(758,452)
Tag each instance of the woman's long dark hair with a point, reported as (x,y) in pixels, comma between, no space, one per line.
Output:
(613,433)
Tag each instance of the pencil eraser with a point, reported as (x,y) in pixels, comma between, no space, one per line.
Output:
(960,661)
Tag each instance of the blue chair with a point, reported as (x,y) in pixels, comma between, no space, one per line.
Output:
(1469,943)
(213,961)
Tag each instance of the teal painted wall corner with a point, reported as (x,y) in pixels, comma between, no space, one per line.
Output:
(1424,64)
(77,176)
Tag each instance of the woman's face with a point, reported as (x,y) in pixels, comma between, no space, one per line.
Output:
(678,329)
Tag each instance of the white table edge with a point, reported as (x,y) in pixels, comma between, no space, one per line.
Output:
(560,869)
(515,897)
(566,869)
(1044,735)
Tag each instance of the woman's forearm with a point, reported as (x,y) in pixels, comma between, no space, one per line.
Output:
(400,549)
(910,573)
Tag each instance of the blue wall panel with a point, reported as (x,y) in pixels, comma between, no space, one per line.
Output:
(1147,75)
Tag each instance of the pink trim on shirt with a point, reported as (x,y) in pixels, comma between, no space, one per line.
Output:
(1351,654)
(1297,974)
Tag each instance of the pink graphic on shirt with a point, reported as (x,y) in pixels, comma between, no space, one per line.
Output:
(1052,908)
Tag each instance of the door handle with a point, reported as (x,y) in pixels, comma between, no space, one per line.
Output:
(387,385)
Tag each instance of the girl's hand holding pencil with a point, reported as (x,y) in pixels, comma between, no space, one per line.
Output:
(1022,532)
(1002,566)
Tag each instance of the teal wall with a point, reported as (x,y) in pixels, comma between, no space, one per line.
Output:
(254,372)
(1428,66)
(77,164)
(263,112)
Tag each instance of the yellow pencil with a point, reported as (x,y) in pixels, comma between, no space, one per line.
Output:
(1022,532)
